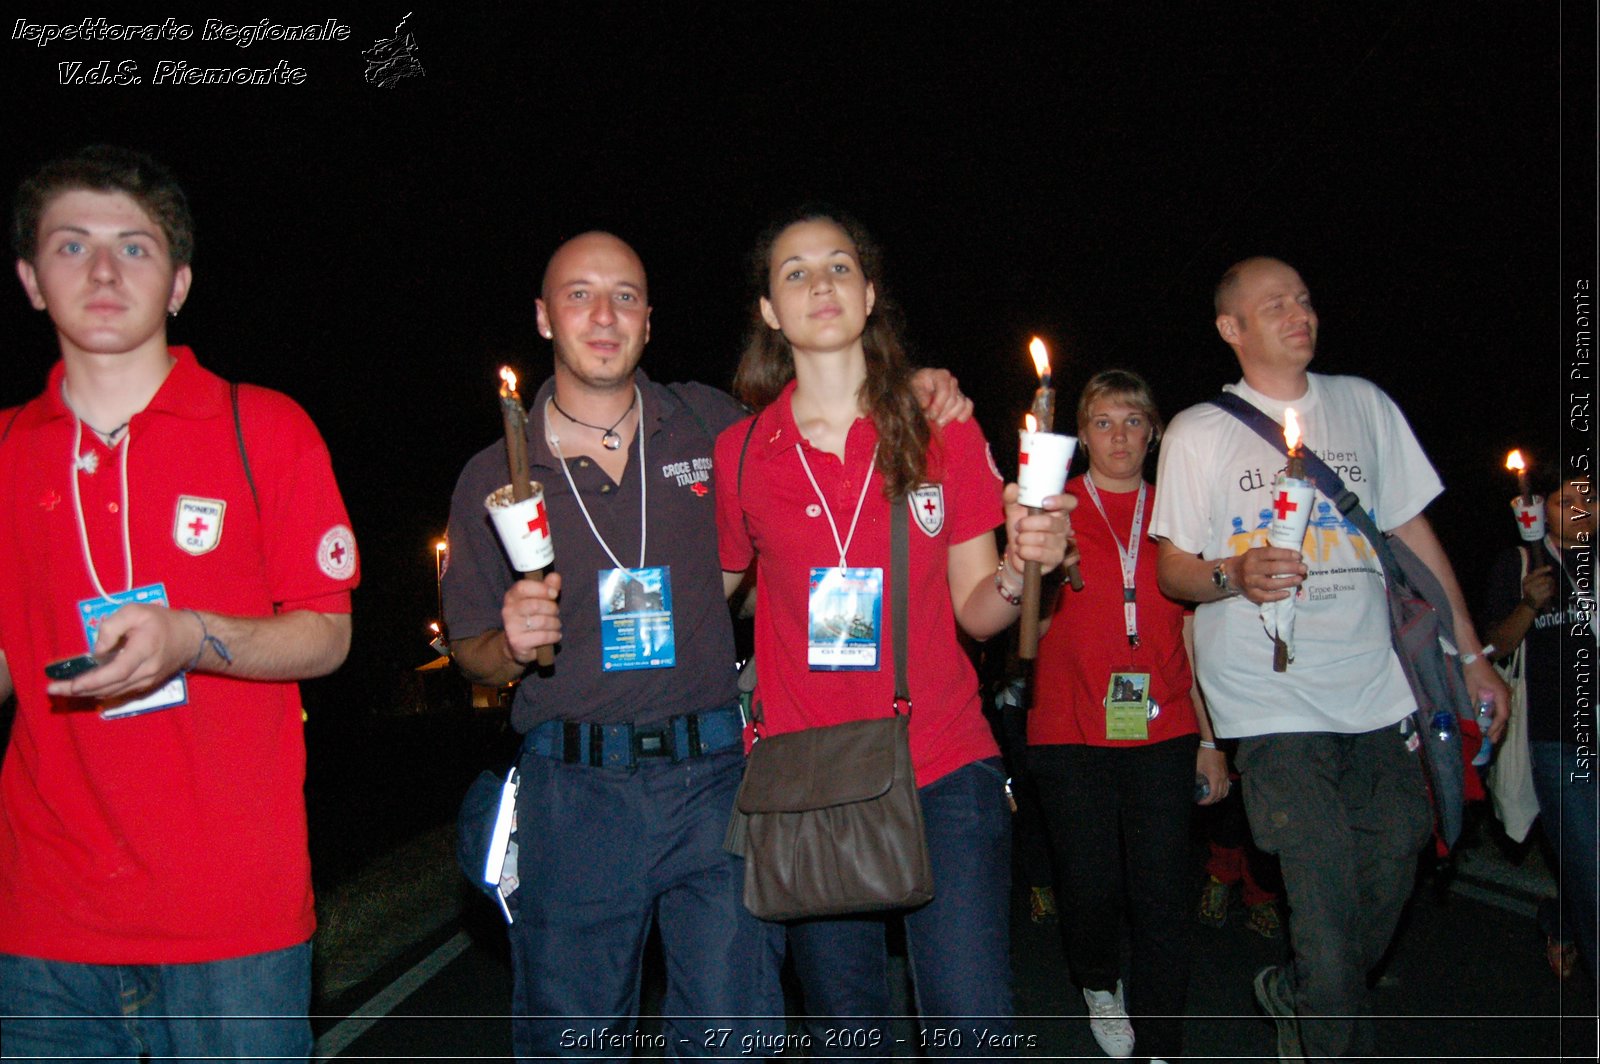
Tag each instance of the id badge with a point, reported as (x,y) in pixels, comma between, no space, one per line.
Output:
(844,621)
(636,619)
(175,692)
(1128,706)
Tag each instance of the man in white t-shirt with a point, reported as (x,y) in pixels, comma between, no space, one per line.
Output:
(1331,780)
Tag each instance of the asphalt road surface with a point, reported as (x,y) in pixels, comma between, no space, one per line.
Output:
(1466,980)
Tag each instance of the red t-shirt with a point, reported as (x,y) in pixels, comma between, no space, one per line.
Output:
(179,835)
(1088,640)
(787,529)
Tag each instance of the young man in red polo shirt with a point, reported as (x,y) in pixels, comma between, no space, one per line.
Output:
(155,893)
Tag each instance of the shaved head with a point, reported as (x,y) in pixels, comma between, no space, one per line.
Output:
(579,249)
(1228,287)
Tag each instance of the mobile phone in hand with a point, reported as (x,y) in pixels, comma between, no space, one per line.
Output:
(67,668)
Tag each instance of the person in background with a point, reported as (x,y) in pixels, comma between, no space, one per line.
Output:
(1535,598)
(809,483)
(1233,860)
(1118,771)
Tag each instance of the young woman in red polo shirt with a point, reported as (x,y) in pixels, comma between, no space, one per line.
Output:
(1118,741)
(807,489)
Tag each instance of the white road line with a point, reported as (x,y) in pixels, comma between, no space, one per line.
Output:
(1499,899)
(346,1031)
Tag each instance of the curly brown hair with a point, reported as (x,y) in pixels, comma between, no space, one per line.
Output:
(767,363)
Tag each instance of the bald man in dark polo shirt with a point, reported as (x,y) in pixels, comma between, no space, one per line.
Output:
(633,744)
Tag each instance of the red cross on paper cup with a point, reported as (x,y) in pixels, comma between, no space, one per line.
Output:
(1291,512)
(1529,518)
(523,527)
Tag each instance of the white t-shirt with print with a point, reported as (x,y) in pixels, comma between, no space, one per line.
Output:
(1214,499)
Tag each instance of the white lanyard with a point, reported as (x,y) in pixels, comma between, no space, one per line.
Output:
(1587,605)
(77,508)
(555,445)
(828,511)
(1129,556)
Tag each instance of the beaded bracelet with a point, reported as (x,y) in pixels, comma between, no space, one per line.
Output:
(1013,597)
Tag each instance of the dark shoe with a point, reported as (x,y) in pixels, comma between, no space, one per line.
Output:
(1042,905)
(1563,957)
(1213,911)
(1272,993)
(1264,919)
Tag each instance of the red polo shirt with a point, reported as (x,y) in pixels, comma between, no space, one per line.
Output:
(1088,639)
(787,529)
(178,835)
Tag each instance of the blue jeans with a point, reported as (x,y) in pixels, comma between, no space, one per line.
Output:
(243,1007)
(604,854)
(1346,815)
(959,943)
(1567,818)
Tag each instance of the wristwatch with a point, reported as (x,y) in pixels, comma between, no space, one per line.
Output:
(1219,579)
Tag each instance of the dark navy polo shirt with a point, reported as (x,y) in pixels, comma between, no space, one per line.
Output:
(681,423)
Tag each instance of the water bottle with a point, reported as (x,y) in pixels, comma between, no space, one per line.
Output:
(1444,725)
(1202,788)
(1485,718)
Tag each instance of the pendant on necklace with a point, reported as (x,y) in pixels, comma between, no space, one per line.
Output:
(611,441)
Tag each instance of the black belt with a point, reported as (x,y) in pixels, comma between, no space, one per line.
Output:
(623,746)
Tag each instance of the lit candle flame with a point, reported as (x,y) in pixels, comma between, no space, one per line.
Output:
(1041,358)
(1291,429)
(1515,463)
(433,626)
(439,546)
(1029,421)
(508,379)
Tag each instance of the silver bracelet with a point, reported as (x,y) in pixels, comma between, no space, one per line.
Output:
(1013,597)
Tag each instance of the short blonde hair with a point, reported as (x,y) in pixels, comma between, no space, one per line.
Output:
(1124,386)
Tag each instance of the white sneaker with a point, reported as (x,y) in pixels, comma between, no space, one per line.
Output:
(1108,1021)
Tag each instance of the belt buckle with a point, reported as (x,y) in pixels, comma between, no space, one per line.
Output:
(656,741)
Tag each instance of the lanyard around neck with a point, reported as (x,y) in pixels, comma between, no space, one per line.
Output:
(73,471)
(561,460)
(827,511)
(1561,563)
(1127,556)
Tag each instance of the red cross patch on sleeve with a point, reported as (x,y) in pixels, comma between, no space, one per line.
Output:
(336,554)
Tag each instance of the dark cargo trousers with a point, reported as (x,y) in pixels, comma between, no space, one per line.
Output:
(1346,815)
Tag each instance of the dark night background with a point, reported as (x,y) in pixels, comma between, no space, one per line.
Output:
(1080,171)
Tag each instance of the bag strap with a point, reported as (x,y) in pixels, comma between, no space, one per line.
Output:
(1327,481)
(680,394)
(238,432)
(14,415)
(900,576)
